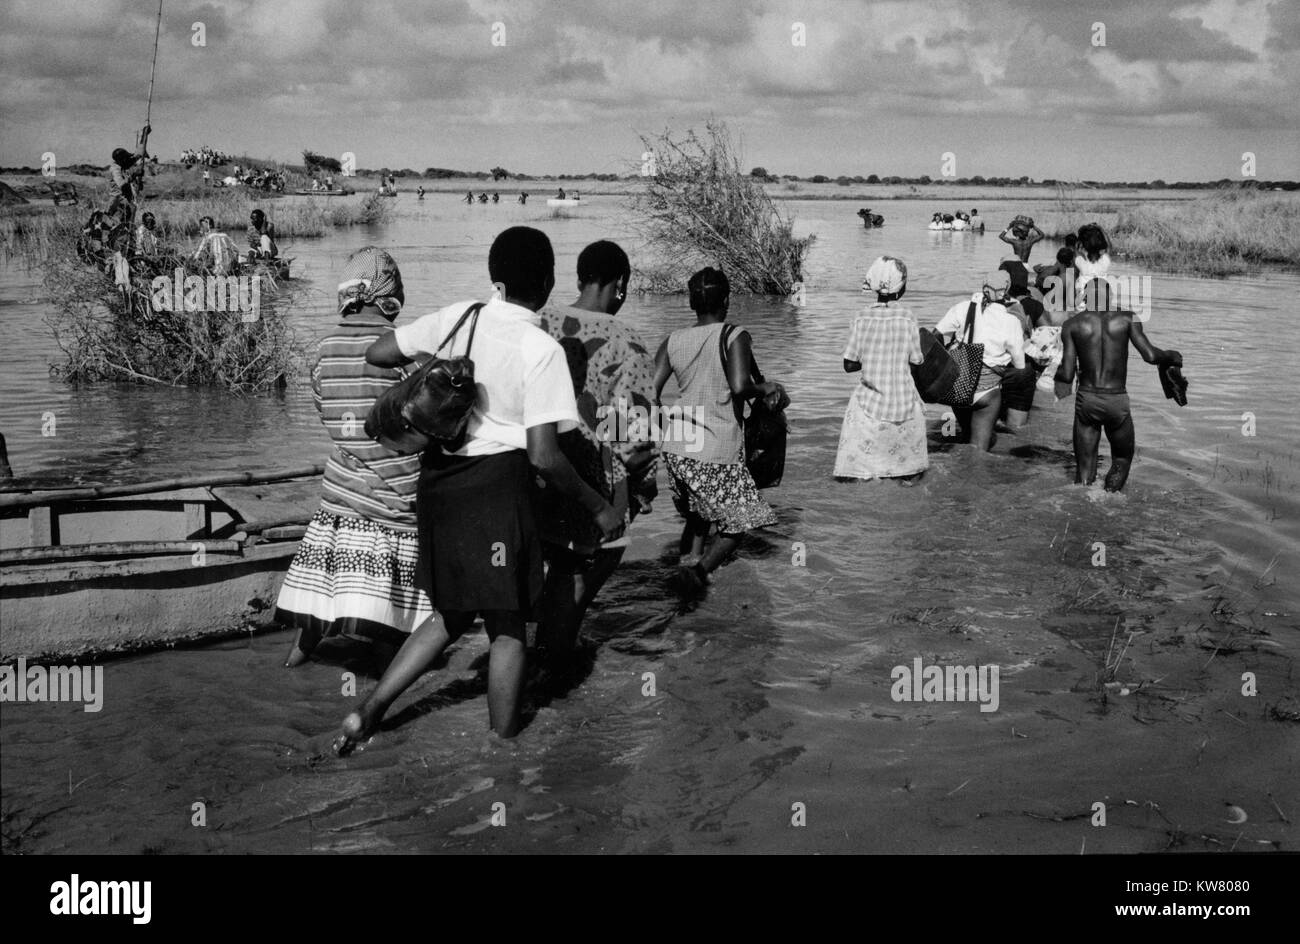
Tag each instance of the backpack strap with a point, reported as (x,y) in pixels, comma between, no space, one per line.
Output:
(473,309)
(970,324)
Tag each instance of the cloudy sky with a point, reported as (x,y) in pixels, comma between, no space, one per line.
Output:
(1010,87)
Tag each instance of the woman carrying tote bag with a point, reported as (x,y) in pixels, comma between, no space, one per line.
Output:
(1003,341)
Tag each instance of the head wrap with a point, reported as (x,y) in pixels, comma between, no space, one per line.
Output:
(371,277)
(886,276)
(997,284)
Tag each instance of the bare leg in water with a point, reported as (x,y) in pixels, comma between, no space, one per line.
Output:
(1122,440)
(1087,439)
(506,660)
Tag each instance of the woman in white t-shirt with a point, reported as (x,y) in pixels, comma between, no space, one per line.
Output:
(479,550)
(1004,346)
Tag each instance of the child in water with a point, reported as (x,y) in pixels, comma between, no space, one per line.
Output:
(1095,342)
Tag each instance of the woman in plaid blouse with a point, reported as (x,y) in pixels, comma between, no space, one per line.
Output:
(884,426)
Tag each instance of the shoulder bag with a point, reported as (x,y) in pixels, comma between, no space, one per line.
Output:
(433,403)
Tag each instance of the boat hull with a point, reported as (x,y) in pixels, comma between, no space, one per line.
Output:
(65,612)
(111,569)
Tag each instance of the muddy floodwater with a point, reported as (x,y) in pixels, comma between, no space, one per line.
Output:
(1129,631)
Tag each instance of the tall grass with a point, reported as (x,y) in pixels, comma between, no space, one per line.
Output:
(32,238)
(1227,232)
(700,208)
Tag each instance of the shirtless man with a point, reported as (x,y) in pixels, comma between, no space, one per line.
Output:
(1097,339)
(1023,236)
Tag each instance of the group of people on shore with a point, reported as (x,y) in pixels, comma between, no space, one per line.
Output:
(205,156)
(1028,341)
(524,519)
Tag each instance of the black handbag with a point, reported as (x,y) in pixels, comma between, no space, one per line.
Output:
(433,403)
(935,375)
(766,430)
(970,362)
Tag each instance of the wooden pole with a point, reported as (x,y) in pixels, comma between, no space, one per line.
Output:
(30,499)
(148,111)
(28,555)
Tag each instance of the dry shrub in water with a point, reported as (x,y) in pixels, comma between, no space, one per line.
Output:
(106,334)
(700,209)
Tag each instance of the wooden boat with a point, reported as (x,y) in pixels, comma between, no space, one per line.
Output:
(323,193)
(86,571)
(566,202)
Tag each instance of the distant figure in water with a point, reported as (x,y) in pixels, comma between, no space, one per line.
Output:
(469,196)
(1095,343)
(419,192)
(1021,234)
(483,197)
(560,195)
(523,196)
(355,569)
(976,224)
(496,198)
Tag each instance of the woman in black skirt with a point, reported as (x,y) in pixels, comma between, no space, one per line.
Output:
(480,554)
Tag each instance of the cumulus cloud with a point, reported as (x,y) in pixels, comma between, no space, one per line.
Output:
(406,71)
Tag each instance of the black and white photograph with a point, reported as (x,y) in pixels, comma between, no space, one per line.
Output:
(756,427)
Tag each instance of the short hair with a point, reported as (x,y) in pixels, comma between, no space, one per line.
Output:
(1092,241)
(211,222)
(1071,240)
(521,258)
(709,290)
(1065,256)
(603,262)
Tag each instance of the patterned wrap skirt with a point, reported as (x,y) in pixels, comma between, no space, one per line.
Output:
(356,576)
(877,449)
(722,493)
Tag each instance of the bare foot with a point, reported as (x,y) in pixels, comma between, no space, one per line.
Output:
(907,481)
(355,731)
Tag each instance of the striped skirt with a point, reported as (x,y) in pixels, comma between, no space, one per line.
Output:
(355,576)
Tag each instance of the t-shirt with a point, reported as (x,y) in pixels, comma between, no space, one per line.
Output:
(520,371)
(995,327)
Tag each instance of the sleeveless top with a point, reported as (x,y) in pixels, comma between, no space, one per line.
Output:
(703,424)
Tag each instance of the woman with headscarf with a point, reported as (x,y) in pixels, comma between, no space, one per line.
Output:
(355,570)
(1003,339)
(883,435)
